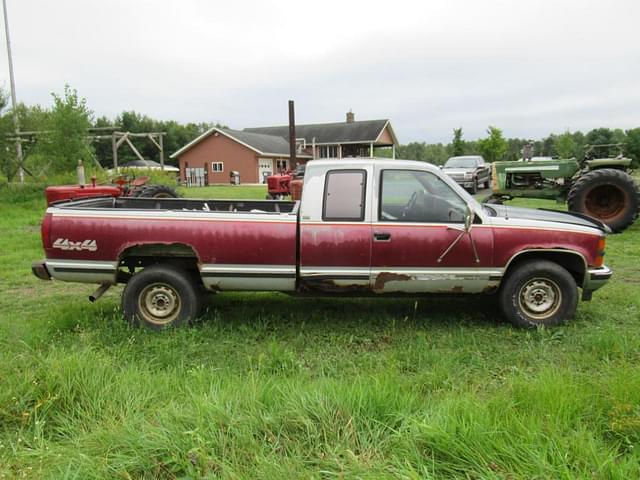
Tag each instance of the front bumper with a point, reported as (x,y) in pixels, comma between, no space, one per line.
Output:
(595,279)
(39,269)
(463,182)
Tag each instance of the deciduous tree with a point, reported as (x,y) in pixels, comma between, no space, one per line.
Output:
(565,145)
(494,146)
(69,123)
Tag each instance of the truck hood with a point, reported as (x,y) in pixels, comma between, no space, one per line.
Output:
(544,215)
(457,170)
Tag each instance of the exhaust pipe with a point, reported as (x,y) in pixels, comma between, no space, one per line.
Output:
(99,292)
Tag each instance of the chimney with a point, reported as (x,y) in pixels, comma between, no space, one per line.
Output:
(351,117)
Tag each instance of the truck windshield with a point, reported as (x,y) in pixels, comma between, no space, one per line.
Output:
(459,162)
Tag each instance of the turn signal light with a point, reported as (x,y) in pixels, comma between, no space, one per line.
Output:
(600,255)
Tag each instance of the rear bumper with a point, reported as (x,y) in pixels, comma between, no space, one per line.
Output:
(595,278)
(39,269)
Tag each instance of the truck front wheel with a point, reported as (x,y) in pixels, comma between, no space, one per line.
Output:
(538,292)
(160,297)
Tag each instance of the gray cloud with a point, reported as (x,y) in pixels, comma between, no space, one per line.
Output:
(529,67)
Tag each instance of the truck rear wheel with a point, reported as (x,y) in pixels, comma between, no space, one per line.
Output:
(607,194)
(161,297)
(538,292)
(156,191)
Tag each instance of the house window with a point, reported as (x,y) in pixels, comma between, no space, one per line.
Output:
(328,151)
(217,167)
(344,195)
(282,165)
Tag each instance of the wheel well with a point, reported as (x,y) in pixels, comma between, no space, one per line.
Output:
(137,257)
(572,262)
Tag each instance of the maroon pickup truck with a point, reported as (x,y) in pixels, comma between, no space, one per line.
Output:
(363,227)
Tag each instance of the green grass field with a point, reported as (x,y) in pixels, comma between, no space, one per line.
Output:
(268,386)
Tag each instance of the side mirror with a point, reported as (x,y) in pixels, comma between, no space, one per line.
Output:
(469,216)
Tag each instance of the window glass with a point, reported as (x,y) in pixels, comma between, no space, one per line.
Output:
(344,195)
(217,166)
(416,196)
(328,151)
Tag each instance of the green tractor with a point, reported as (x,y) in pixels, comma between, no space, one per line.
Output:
(600,186)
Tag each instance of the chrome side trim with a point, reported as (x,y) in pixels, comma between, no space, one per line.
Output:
(249,277)
(463,273)
(84,271)
(338,276)
(248,269)
(436,280)
(334,271)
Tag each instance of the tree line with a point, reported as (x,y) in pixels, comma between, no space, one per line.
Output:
(65,138)
(495,147)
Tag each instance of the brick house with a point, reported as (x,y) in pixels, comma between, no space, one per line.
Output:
(256,153)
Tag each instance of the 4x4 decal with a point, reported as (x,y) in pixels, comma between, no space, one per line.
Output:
(66,244)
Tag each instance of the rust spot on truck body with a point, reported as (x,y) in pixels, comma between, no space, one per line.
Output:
(384,277)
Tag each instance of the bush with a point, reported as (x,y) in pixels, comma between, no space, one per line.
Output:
(20,193)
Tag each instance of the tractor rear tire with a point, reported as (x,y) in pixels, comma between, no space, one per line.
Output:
(607,194)
(156,191)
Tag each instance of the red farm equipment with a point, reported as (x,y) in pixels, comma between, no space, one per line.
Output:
(122,186)
(286,184)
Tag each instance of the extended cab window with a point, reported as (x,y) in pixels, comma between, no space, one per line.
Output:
(344,195)
(417,196)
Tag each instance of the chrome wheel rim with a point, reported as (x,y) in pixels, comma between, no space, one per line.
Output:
(540,298)
(159,303)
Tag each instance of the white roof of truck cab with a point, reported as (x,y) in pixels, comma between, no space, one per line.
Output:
(378,161)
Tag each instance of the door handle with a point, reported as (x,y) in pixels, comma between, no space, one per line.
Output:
(381,236)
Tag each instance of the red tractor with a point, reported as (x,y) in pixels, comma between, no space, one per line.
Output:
(286,184)
(122,186)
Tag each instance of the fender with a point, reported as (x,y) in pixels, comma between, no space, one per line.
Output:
(554,252)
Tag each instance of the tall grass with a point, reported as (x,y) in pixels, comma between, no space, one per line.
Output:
(268,386)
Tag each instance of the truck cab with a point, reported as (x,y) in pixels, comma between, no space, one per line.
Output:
(390,226)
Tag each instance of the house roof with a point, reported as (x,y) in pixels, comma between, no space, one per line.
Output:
(365,131)
(262,144)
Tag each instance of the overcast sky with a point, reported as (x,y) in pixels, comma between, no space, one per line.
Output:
(528,67)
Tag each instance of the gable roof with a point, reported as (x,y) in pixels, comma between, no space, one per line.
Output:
(262,144)
(365,131)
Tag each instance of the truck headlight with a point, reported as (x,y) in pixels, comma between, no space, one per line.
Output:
(468,176)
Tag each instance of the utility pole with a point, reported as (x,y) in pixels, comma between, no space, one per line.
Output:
(292,136)
(14,102)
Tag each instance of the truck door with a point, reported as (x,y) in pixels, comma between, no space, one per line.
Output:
(335,229)
(417,221)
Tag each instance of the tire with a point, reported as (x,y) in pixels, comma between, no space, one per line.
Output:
(156,191)
(538,292)
(487,184)
(607,194)
(161,297)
